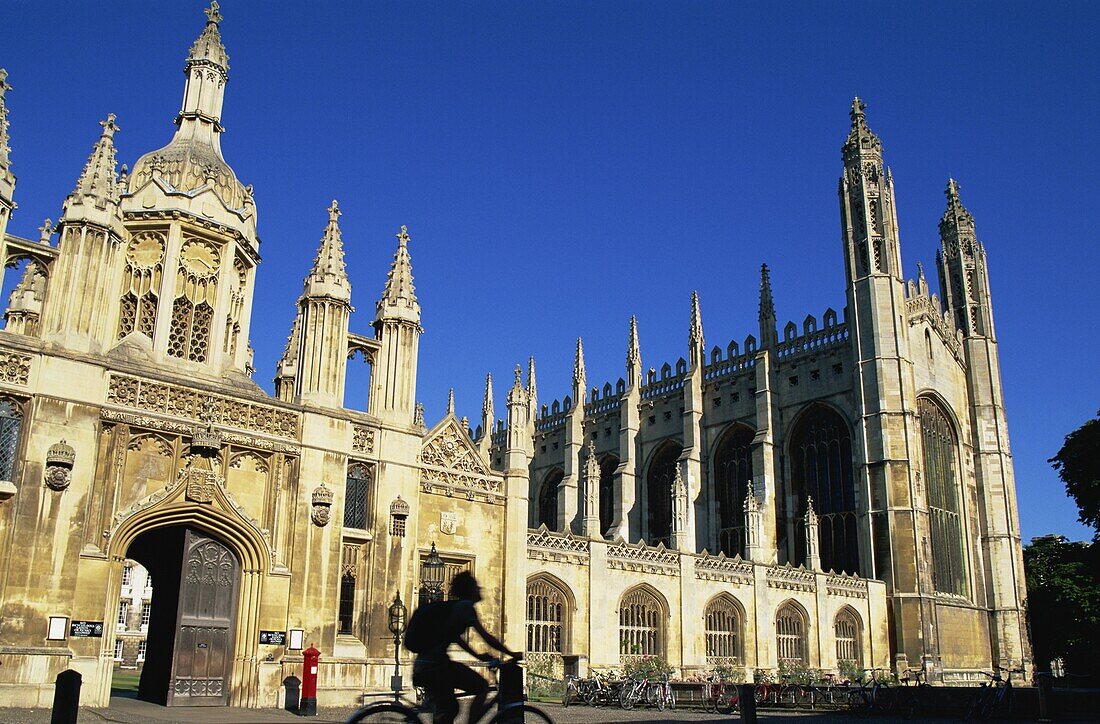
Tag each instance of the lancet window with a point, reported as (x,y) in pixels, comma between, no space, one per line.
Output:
(349,570)
(732,481)
(641,630)
(141,285)
(847,633)
(723,631)
(357,496)
(944,505)
(548,500)
(607,493)
(236,307)
(821,468)
(546,617)
(196,297)
(790,635)
(11,423)
(662,471)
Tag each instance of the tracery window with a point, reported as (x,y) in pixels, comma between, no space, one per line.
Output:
(790,635)
(723,631)
(11,423)
(607,493)
(141,285)
(847,633)
(641,630)
(662,471)
(346,612)
(732,481)
(357,496)
(546,617)
(196,297)
(821,468)
(949,573)
(548,500)
(236,306)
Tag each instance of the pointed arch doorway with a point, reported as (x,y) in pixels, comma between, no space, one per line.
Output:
(188,660)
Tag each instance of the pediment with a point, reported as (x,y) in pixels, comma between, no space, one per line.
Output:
(448,446)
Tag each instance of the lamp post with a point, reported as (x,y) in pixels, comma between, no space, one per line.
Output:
(431,578)
(398,622)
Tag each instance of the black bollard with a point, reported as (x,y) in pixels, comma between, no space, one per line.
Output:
(1046,693)
(292,685)
(747,703)
(66,697)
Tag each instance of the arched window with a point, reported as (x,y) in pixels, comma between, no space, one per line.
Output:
(662,469)
(607,493)
(790,635)
(944,505)
(346,611)
(11,422)
(821,468)
(723,631)
(641,629)
(357,496)
(547,612)
(196,297)
(847,630)
(548,500)
(732,481)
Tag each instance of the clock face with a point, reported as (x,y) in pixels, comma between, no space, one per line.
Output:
(199,259)
(146,251)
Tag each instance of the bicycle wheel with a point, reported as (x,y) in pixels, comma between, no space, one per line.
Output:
(568,694)
(859,702)
(804,697)
(518,713)
(728,702)
(707,700)
(384,713)
(671,698)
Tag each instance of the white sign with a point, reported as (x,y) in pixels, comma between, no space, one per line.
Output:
(58,626)
(296,635)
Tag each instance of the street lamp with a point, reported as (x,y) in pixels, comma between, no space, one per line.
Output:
(431,577)
(398,623)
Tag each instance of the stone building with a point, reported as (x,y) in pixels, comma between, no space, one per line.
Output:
(838,492)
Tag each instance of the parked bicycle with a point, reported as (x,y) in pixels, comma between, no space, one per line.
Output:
(659,693)
(871,695)
(720,696)
(912,695)
(507,711)
(992,697)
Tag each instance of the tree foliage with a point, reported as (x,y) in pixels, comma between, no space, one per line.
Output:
(1078,465)
(1063,586)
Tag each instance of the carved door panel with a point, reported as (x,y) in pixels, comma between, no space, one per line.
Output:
(202,662)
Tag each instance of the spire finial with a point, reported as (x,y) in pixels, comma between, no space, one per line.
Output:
(99,179)
(920,271)
(858,111)
(695,335)
(579,373)
(767,303)
(4,150)
(487,403)
(451,401)
(952,192)
(861,140)
(213,14)
(403,237)
(399,296)
(45,232)
(334,212)
(109,126)
(329,277)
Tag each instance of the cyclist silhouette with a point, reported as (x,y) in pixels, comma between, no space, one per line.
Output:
(434,670)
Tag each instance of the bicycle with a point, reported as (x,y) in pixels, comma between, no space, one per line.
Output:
(912,696)
(868,695)
(659,693)
(992,696)
(391,712)
(720,698)
(633,691)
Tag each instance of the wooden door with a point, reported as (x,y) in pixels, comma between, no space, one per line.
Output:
(203,652)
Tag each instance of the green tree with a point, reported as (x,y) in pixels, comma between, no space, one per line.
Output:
(1078,465)
(1063,588)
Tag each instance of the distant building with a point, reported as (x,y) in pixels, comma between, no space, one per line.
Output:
(832,493)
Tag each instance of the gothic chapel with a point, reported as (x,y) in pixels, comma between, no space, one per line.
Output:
(834,493)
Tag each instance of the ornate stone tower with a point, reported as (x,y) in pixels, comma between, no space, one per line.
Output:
(397,328)
(7,178)
(964,283)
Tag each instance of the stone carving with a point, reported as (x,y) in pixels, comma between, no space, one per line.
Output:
(544,545)
(643,558)
(362,440)
(790,578)
(154,423)
(14,368)
(451,463)
(60,459)
(322,505)
(137,393)
(846,586)
(720,568)
(200,483)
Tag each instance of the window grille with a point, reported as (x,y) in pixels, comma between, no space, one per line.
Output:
(146,612)
(142,648)
(821,468)
(546,613)
(548,500)
(607,494)
(127,575)
(123,614)
(723,631)
(193,306)
(846,629)
(144,265)
(356,496)
(662,471)
(640,625)
(11,422)
(398,526)
(732,481)
(118,649)
(347,604)
(948,535)
(790,635)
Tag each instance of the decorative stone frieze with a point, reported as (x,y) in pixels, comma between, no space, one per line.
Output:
(643,558)
(362,440)
(790,578)
(156,423)
(847,586)
(545,545)
(14,368)
(720,568)
(451,465)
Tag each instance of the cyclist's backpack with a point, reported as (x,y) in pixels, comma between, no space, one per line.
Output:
(427,626)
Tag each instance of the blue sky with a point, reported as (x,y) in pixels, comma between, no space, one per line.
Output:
(563,165)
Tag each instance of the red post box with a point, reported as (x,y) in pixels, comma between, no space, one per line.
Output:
(310,658)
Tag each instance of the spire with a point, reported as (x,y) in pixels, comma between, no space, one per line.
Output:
(633,355)
(451,401)
(204,92)
(591,521)
(580,376)
(957,224)
(328,277)
(5,150)
(487,413)
(98,182)
(517,395)
(532,390)
(696,343)
(768,331)
(399,297)
(861,139)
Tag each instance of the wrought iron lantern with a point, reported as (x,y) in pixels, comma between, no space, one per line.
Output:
(431,577)
(398,617)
